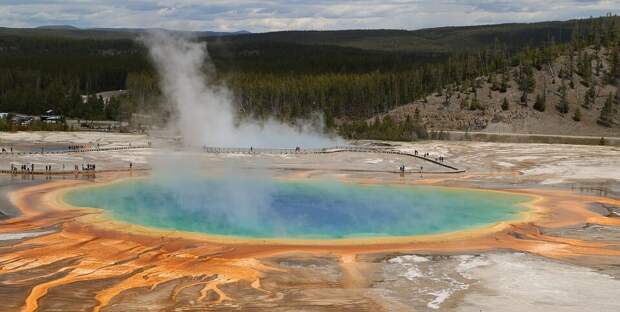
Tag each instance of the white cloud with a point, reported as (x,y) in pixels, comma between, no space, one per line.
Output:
(267,15)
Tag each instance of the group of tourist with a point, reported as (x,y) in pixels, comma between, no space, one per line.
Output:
(23,168)
(415,152)
(30,168)
(10,150)
(426,155)
(88,167)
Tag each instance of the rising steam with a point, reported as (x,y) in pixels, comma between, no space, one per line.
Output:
(205,111)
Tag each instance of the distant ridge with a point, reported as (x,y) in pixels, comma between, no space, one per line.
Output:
(58,27)
(200,33)
(429,42)
(221,34)
(205,33)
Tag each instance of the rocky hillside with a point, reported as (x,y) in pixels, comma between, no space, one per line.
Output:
(563,96)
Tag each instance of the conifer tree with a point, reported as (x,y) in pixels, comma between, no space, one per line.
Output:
(588,98)
(562,106)
(526,79)
(524,99)
(586,68)
(540,104)
(504,83)
(587,102)
(607,111)
(577,115)
(505,105)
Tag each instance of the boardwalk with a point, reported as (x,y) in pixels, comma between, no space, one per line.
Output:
(338,149)
(76,150)
(39,169)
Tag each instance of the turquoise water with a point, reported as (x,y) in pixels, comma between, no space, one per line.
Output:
(266,208)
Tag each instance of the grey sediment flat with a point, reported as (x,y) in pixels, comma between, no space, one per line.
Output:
(9,184)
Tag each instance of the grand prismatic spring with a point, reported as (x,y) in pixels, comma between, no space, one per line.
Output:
(264,208)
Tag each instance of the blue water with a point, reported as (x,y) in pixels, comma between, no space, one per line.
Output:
(266,208)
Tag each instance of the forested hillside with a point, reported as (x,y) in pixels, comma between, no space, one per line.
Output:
(570,89)
(347,75)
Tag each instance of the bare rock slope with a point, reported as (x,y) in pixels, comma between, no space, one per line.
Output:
(477,105)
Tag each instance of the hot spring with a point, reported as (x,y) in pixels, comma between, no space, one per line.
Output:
(272,208)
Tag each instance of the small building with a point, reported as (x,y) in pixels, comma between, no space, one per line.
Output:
(96,125)
(24,120)
(105,96)
(51,119)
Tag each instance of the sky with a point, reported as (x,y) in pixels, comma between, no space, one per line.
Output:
(273,15)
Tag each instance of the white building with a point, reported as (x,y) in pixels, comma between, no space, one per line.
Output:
(106,96)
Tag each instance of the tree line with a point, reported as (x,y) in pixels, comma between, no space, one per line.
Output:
(289,80)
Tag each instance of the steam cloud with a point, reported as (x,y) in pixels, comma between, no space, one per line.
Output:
(206,114)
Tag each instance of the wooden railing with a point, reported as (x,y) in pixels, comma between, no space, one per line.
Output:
(76,150)
(233,150)
(337,149)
